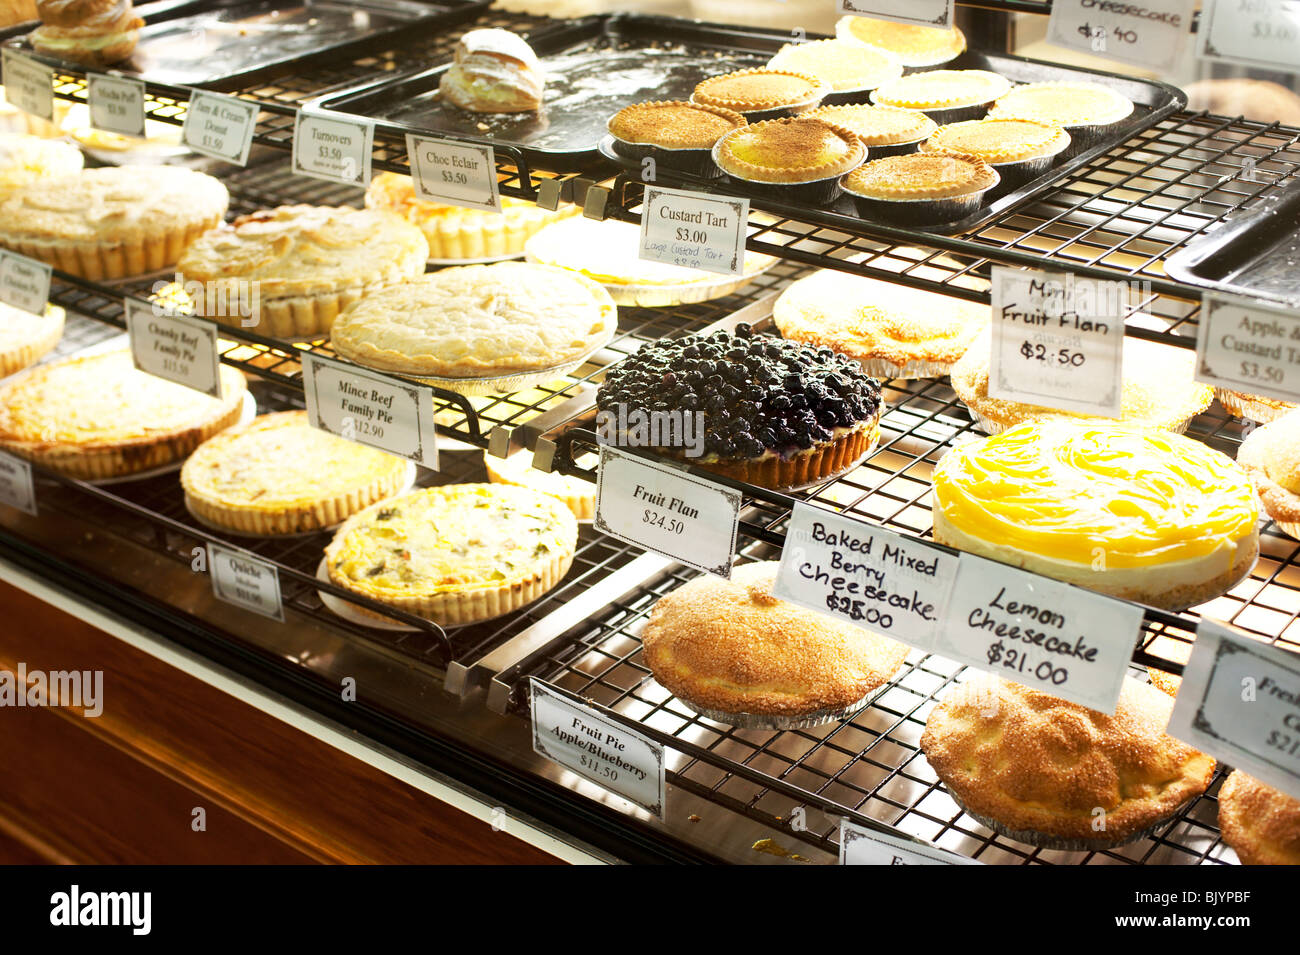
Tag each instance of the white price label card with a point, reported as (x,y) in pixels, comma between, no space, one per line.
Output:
(694,230)
(862,846)
(1148,34)
(612,756)
(220,126)
(929,13)
(1040,632)
(1245,345)
(178,348)
(369,407)
(246,581)
(17,489)
(1240,703)
(28,84)
(24,282)
(116,104)
(670,512)
(1058,341)
(332,147)
(1261,33)
(459,174)
(865,575)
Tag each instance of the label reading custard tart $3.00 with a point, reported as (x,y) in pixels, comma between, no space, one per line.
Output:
(694,230)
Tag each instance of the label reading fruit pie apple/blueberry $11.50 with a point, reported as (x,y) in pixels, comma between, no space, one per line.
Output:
(866,575)
(175,347)
(1058,341)
(1245,345)
(694,230)
(29,85)
(246,581)
(459,174)
(1039,632)
(332,147)
(928,13)
(1148,34)
(1239,701)
(24,282)
(219,126)
(116,104)
(614,756)
(1261,33)
(862,846)
(371,408)
(16,486)
(663,509)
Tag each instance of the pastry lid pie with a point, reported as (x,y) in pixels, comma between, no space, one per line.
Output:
(914,45)
(1063,104)
(475,321)
(998,141)
(877,125)
(918,176)
(674,124)
(755,90)
(789,150)
(1261,823)
(843,64)
(942,89)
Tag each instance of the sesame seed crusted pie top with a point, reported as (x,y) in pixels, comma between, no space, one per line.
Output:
(674,124)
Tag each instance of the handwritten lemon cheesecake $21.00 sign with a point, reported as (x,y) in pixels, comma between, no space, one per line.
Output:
(1136,513)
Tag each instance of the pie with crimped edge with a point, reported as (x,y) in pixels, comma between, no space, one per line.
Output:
(1259,408)
(919,176)
(942,89)
(843,64)
(754,90)
(96,416)
(673,124)
(915,45)
(1064,104)
(1271,456)
(455,554)
(998,141)
(789,150)
(1262,824)
(279,475)
(25,337)
(877,125)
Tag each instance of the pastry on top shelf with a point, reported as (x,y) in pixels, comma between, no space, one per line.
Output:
(1259,408)
(761,93)
(1017,148)
(1084,110)
(678,134)
(884,130)
(915,46)
(1271,456)
(850,68)
(494,71)
(25,337)
(947,95)
(161,142)
(25,159)
(1261,823)
(90,32)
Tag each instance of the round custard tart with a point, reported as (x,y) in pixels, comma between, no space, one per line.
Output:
(1271,456)
(578,495)
(751,408)
(947,95)
(457,554)
(26,159)
(734,653)
(849,68)
(279,475)
(884,130)
(793,152)
(892,330)
(1158,390)
(1014,147)
(1260,823)
(1132,512)
(917,189)
(26,337)
(304,264)
(96,417)
(454,233)
(1036,768)
(1259,408)
(478,321)
(112,222)
(915,46)
(1083,109)
(679,134)
(761,93)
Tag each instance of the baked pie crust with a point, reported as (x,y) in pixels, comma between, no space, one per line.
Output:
(96,416)
(1261,823)
(877,125)
(755,90)
(673,124)
(1063,104)
(578,495)
(25,337)
(942,89)
(1036,768)
(1271,456)
(914,45)
(998,141)
(843,64)
(789,150)
(475,321)
(917,176)
(26,159)
(1260,408)
(455,554)
(306,262)
(279,475)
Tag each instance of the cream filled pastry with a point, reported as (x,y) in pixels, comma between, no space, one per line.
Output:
(1132,512)
(494,71)
(91,32)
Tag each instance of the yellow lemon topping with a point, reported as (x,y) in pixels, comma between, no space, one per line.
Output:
(1061,489)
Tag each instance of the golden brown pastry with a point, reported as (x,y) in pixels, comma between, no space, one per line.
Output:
(1271,456)
(90,32)
(494,71)
(1260,823)
(16,11)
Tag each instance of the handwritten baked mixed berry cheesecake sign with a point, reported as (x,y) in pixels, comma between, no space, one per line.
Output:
(219,126)
(28,84)
(1246,345)
(694,230)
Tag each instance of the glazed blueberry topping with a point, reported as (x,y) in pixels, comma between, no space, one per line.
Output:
(757,392)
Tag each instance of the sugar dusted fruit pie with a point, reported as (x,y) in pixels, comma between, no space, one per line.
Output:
(1271,456)
(761,91)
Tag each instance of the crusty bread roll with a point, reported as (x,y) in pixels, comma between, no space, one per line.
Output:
(90,32)
(494,71)
(1260,100)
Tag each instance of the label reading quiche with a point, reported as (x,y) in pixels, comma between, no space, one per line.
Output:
(246,581)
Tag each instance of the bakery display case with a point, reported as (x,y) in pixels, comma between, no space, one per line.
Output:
(779,734)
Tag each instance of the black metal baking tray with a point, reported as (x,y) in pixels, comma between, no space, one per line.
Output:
(229,44)
(1256,253)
